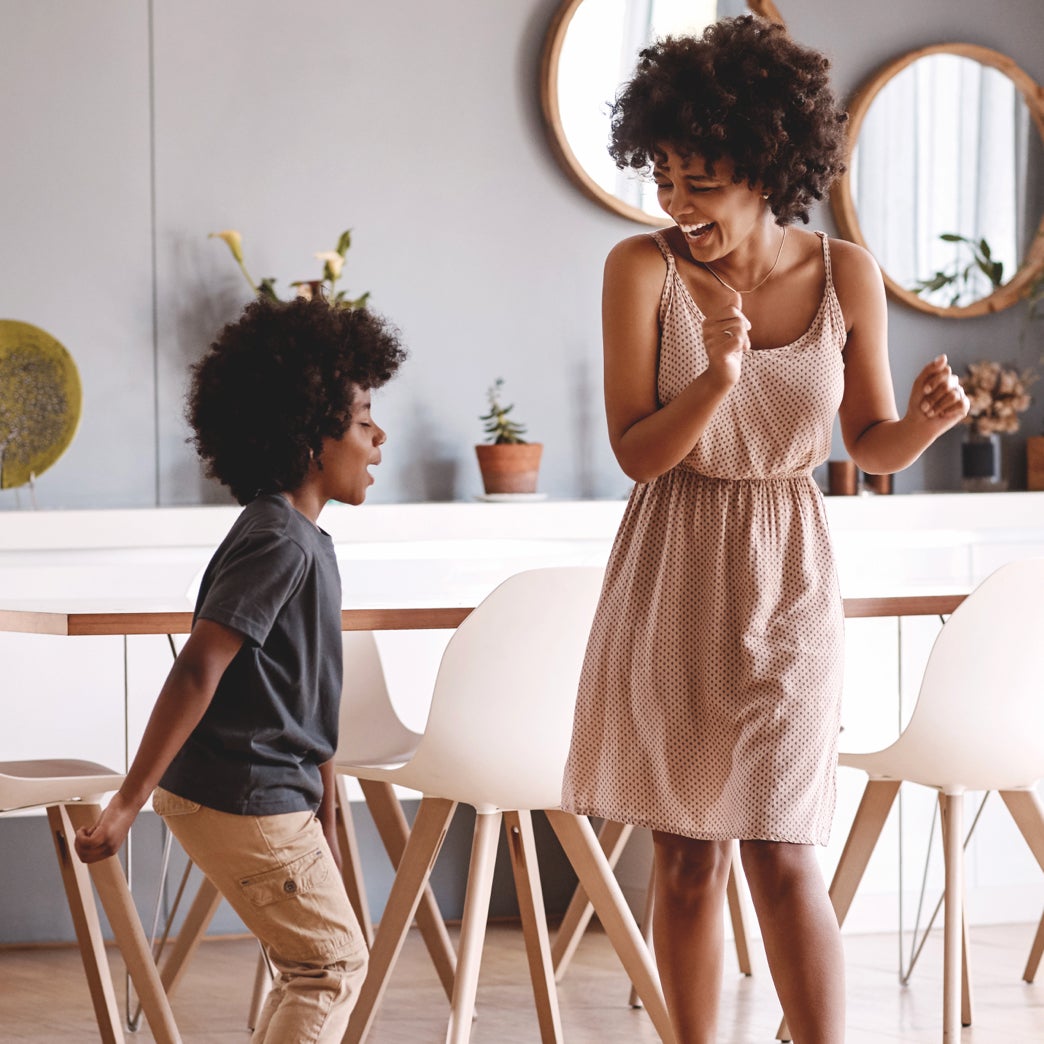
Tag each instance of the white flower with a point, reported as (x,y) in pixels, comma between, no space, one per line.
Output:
(234,241)
(333,262)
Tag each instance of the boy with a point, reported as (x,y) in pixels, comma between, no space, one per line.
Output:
(238,746)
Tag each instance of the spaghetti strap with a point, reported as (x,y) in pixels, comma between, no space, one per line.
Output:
(667,294)
(668,255)
(833,305)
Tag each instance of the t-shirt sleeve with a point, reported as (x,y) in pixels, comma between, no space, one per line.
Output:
(253,582)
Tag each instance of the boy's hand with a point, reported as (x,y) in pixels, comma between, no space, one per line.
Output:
(106,837)
(937,398)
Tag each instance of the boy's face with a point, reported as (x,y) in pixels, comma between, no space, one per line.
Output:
(345,460)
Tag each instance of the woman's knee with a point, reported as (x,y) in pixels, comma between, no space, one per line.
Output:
(691,869)
(777,868)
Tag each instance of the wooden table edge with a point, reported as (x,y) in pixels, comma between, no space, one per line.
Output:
(391,619)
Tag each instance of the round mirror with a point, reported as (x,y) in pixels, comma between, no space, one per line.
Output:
(590,51)
(945,179)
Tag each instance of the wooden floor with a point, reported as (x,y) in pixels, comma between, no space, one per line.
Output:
(43,996)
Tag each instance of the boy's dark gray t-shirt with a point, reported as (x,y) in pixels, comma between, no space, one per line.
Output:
(273,719)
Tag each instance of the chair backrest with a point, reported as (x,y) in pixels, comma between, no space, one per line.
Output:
(979,718)
(502,711)
(370,732)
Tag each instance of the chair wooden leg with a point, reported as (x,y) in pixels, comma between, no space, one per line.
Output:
(966,992)
(425,840)
(193,928)
(1036,952)
(870,818)
(351,863)
(394,831)
(581,847)
(739,924)
(112,889)
(646,928)
(473,925)
(522,847)
(262,987)
(612,837)
(953,909)
(77,883)
(1027,810)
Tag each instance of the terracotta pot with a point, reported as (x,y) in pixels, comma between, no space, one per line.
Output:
(1035,462)
(509,467)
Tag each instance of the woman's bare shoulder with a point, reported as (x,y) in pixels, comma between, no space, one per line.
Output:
(636,256)
(852,262)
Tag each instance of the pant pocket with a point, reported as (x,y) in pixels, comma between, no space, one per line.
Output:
(164,803)
(298,877)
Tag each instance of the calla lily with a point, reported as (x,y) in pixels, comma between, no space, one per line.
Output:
(333,263)
(234,241)
(333,266)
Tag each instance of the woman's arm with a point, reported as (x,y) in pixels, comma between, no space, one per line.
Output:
(185,696)
(876,438)
(649,440)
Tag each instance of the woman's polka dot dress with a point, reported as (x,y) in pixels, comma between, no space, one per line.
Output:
(710,697)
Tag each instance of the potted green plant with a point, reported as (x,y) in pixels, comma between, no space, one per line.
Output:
(325,286)
(509,464)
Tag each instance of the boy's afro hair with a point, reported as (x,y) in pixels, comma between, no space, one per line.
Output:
(279,380)
(743,90)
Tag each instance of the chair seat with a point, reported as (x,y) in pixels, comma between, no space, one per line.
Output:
(50,781)
(928,767)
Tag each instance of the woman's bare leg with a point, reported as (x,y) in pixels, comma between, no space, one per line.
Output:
(688,931)
(802,940)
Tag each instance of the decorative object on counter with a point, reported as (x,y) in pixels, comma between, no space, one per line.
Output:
(1035,463)
(842,478)
(333,267)
(509,464)
(981,463)
(998,394)
(877,483)
(40,402)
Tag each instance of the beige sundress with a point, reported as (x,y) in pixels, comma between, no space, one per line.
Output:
(709,702)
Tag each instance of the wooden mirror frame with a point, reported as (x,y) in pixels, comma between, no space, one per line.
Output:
(843,203)
(553,42)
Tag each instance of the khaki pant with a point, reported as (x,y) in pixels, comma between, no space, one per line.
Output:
(278,874)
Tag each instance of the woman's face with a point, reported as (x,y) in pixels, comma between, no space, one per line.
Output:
(714,214)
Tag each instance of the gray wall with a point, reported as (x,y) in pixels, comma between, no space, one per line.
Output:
(130,130)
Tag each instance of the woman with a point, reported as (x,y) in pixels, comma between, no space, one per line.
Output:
(709,703)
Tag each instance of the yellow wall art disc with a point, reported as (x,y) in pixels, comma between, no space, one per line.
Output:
(40,402)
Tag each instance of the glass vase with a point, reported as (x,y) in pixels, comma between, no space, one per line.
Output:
(981,463)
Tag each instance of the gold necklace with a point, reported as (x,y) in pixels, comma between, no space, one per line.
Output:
(779,254)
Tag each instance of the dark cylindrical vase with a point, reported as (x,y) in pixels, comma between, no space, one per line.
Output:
(981,463)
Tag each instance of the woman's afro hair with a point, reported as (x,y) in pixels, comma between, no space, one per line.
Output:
(745,91)
(279,380)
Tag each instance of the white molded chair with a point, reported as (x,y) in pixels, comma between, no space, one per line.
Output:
(70,791)
(496,738)
(371,733)
(978,725)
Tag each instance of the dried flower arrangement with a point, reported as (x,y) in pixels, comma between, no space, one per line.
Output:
(998,394)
